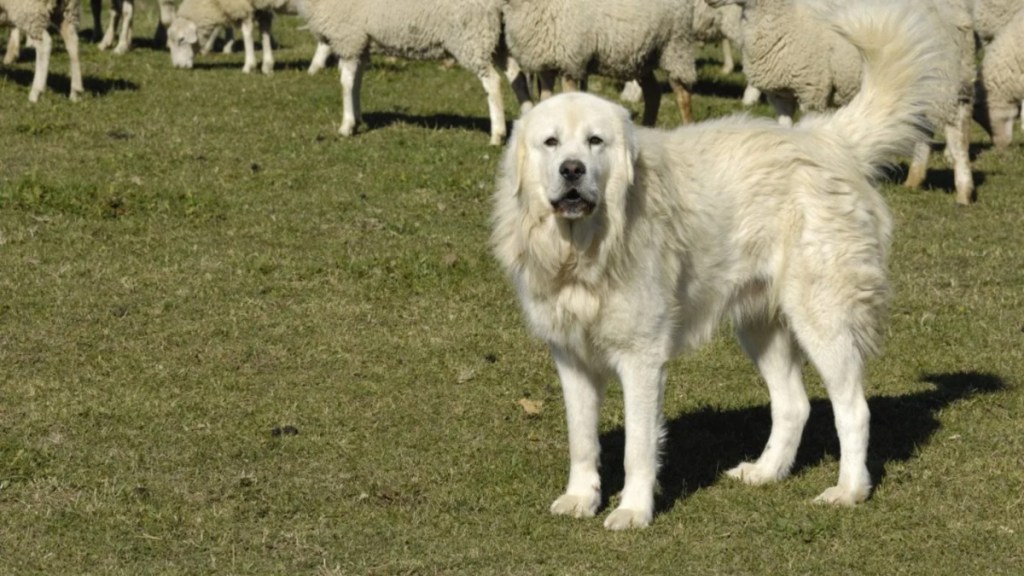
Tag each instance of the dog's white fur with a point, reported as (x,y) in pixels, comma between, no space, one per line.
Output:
(629,245)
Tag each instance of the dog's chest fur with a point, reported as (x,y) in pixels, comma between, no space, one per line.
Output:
(561,306)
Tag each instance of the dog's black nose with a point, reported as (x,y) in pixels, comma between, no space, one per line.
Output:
(572,170)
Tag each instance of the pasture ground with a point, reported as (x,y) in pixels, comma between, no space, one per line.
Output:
(232,342)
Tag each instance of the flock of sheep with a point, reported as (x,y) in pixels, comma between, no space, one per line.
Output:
(788,55)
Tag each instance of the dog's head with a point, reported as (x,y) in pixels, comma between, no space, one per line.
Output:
(569,155)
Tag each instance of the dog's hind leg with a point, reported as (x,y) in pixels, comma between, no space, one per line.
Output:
(583,392)
(771,347)
(841,365)
(643,386)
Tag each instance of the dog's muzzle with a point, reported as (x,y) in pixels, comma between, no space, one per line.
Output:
(571,204)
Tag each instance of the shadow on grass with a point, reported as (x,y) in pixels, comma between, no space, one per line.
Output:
(941,179)
(701,445)
(61,83)
(719,86)
(377,120)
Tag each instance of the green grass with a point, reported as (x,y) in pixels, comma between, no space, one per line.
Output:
(191,261)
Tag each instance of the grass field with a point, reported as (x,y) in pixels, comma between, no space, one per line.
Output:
(232,342)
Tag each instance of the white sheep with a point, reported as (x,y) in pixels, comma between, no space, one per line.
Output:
(794,58)
(33,17)
(1002,80)
(197,20)
(467,30)
(990,16)
(623,39)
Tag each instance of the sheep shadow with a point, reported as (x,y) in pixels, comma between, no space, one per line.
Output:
(302,65)
(209,62)
(57,83)
(720,87)
(939,179)
(700,445)
(377,120)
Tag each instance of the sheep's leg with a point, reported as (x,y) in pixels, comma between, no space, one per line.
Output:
(229,40)
(751,95)
(115,17)
(958,148)
(211,41)
(69,33)
(728,65)
(13,46)
(1001,117)
(491,80)
(351,80)
(631,92)
(97,23)
(520,85)
(266,20)
(784,106)
(323,52)
(43,44)
(167,12)
(918,165)
(250,49)
(125,40)
(651,91)
(570,84)
(547,83)
(684,100)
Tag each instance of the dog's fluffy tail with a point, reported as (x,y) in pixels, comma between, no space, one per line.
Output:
(909,68)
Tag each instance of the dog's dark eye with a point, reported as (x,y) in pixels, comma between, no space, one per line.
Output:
(551,142)
(595,141)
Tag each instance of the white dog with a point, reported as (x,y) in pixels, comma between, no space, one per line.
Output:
(628,245)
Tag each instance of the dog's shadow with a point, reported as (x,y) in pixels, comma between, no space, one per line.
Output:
(700,446)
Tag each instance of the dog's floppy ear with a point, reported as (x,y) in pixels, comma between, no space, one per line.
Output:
(513,161)
(630,150)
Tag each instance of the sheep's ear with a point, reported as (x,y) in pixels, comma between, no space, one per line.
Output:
(191,35)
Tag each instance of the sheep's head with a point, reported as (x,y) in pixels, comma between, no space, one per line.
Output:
(182,41)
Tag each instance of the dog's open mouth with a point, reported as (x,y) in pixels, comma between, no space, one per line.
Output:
(571,205)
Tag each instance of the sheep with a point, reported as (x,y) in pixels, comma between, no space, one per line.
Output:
(624,39)
(793,57)
(467,30)
(1002,80)
(197,20)
(790,55)
(33,17)
(990,16)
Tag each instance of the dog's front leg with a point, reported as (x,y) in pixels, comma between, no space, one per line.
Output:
(643,385)
(583,390)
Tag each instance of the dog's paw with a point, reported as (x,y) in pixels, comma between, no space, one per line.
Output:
(839,496)
(576,505)
(625,518)
(753,474)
